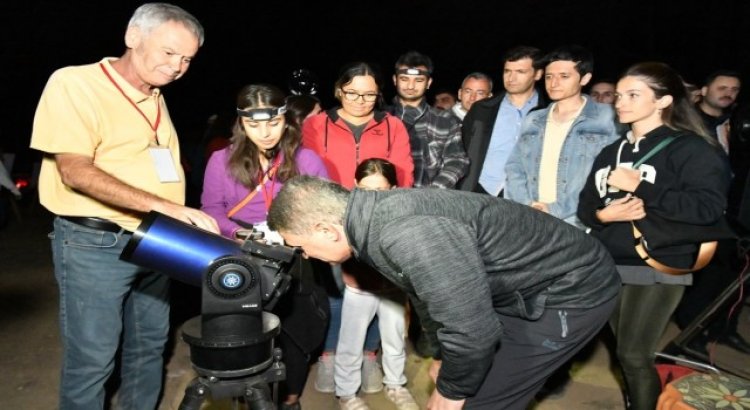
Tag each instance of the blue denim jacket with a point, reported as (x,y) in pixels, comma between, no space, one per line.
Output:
(594,129)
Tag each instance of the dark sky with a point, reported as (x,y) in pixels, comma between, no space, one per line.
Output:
(250,41)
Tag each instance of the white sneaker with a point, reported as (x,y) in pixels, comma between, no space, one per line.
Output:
(324,378)
(353,403)
(372,375)
(401,397)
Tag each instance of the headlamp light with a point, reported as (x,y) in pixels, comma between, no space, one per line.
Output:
(413,71)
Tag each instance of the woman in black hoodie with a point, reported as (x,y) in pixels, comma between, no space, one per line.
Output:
(669,177)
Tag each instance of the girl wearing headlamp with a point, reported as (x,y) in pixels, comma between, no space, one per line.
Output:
(239,184)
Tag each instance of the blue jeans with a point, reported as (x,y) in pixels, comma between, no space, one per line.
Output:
(101,300)
(372,340)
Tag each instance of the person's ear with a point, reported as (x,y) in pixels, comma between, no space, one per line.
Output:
(429,83)
(704,91)
(585,79)
(327,231)
(132,37)
(395,80)
(664,101)
(538,74)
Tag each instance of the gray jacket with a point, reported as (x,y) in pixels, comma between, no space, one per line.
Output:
(461,255)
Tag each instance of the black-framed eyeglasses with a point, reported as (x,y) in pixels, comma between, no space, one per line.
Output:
(354,96)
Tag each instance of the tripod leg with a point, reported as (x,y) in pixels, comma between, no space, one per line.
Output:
(195,393)
(259,398)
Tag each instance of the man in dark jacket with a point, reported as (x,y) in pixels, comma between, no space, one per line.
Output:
(491,127)
(508,293)
(718,97)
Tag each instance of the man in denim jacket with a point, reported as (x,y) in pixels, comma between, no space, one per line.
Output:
(549,164)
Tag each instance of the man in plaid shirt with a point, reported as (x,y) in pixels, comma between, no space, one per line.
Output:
(435,136)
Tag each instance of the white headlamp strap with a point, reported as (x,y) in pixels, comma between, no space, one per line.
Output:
(262,114)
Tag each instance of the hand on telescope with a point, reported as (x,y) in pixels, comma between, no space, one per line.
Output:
(189,215)
(242,235)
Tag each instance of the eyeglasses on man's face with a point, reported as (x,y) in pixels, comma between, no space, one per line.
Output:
(354,96)
(477,93)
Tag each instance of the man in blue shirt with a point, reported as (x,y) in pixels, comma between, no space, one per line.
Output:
(491,126)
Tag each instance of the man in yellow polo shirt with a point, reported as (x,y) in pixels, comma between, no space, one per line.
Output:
(111,155)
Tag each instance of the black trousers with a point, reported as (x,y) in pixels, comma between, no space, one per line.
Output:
(297,365)
(531,351)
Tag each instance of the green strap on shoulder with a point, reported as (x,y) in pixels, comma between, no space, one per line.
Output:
(666,141)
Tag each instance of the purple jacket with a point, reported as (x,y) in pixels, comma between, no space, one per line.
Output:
(221,192)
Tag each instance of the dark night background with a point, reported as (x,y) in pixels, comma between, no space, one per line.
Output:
(264,41)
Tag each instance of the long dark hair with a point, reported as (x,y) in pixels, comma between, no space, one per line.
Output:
(664,80)
(243,163)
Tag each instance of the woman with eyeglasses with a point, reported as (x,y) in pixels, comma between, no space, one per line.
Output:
(345,136)
(240,183)
(358,129)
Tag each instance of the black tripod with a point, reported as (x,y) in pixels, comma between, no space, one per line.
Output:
(234,368)
(254,388)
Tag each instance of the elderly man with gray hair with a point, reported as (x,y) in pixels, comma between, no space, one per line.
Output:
(111,155)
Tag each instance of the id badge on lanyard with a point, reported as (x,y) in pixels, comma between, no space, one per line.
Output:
(164,164)
(162,157)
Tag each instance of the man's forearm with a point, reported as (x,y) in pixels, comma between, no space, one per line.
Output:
(79,173)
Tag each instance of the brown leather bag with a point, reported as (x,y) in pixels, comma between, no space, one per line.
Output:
(705,253)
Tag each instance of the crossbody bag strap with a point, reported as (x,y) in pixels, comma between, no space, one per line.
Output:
(252,193)
(242,203)
(706,250)
(666,141)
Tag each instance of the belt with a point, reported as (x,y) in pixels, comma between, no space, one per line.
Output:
(95,223)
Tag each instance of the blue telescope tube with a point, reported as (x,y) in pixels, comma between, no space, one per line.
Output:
(179,250)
